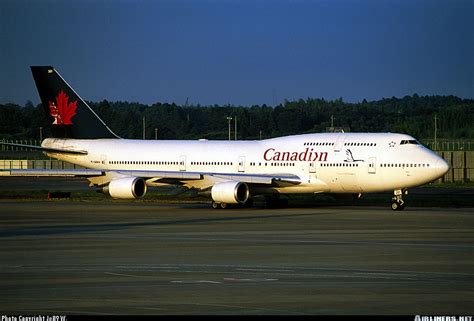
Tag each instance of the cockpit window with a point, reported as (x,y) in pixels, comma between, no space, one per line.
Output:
(413,142)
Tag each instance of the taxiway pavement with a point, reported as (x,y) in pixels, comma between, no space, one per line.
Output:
(80,257)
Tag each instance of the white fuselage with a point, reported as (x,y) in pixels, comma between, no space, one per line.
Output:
(328,162)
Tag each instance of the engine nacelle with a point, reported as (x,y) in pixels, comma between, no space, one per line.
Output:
(126,188)
(230,192)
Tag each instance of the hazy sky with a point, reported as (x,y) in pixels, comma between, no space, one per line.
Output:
(239,52)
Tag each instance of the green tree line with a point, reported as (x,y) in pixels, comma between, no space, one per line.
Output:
(413,115)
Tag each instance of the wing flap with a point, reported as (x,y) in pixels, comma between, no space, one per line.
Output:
(161,174)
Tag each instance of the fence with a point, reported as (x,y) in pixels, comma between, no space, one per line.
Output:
(461,166)
(6,148)
(35,164)
(449,145)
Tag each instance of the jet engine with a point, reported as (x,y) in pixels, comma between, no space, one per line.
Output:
(230,192)
(126,188)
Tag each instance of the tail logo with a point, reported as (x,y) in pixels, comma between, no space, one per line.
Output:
(62,110)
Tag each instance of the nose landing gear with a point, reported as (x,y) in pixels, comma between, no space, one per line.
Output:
(397,201)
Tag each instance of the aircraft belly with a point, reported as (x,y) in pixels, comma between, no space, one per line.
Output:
(349,183)
(308,188)
(388,181)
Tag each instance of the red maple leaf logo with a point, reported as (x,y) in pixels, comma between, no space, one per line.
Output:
(62,110)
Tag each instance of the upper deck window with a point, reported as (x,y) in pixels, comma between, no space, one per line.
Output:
(412,141)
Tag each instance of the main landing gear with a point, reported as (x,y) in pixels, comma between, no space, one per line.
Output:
(397,201)
(224,206)
(219,205)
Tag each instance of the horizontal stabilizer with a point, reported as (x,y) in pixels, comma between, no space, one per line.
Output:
(47,149)
(52,172)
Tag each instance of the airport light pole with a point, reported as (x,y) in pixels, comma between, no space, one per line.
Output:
(235,127)
(41,134)
(229,119)
(156,133)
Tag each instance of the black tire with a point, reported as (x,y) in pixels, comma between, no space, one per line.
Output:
(395,206)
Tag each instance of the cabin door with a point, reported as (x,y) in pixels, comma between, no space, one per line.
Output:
(241,164)
(372,165)
(182,162)
(103,161)
(339,143)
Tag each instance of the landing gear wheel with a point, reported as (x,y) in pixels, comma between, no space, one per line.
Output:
(397,202)
(215,205)
(395,206)
(224,206)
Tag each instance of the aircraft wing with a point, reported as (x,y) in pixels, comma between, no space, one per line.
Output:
(179,176)
(169,176)
(267,179)
(241,177)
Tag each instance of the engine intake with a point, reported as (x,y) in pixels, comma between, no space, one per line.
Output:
(230,192)
(126,188)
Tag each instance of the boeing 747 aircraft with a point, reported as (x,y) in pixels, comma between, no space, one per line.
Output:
(230,172)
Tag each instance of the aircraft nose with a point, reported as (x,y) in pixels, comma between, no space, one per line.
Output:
(441,167)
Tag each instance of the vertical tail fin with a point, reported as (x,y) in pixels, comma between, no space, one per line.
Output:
(69,116)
